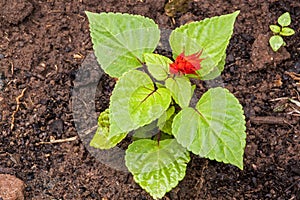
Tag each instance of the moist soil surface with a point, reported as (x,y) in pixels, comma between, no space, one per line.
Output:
(44,43)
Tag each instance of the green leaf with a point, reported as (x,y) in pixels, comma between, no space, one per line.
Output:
(216,71)
(165,121)
(275,28)
(102,139)
(120,40)
(284,19)
(211,35)
(276,42)
(157,168)
(286,31)
(135,102)
(158,65)
(181,91)
(215,129)
(147,104)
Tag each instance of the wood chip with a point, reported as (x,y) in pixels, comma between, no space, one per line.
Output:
(271,120)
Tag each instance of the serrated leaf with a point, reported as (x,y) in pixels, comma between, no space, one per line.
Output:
(157,168)
(165,121)
(181,91)
(211,35)
(120,40)
(215,129)
(102,139)
(135,102)
(284,19)
(275,28)
(276,42)
(147,104)
(286,31)
(158,65)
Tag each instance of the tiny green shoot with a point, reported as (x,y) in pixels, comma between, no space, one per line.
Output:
(276,41)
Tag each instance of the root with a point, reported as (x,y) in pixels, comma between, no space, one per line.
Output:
(12,124)
(53,141)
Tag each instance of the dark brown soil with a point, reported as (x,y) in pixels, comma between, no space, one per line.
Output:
(42,46)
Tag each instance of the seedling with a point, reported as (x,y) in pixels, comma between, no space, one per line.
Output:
(276,41)
(152,96)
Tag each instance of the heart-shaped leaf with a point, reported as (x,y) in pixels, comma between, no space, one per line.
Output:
(135,102)
(120,40)
(211,35)
(215,129)
(147,104)
(157,168)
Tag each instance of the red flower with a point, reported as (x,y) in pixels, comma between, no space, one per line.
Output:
(186,64)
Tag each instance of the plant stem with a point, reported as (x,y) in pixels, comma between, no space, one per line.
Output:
(158,137)
(145,69)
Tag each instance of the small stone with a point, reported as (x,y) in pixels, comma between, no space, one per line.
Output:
(68,49)
(11,187)
(57,126)
(1,56)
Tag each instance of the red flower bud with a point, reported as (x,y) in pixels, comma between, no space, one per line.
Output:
(186,64)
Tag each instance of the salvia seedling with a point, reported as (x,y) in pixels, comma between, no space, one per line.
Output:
(153,94)
(276,41)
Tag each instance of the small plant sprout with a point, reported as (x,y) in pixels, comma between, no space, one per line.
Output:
(153,94)
(276,41)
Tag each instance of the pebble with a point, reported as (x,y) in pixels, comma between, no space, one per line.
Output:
(11,187)
(68,49)
(1,56)
(57,126)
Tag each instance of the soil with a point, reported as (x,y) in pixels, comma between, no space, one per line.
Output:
(44,43)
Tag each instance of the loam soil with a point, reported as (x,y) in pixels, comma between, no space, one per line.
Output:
(44,43)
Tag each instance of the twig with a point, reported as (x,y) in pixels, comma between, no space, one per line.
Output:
(58,141)
(294,111)
(269,120)
(293,75)
(17,108)
(12,68)
(280,98)
(297,103)
(292,185)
